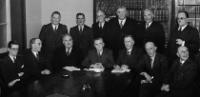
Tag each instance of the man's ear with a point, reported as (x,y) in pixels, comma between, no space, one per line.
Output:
(177,54)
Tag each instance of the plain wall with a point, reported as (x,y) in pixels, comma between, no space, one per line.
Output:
(33,19)
(38,13)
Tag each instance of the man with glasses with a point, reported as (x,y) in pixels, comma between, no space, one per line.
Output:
(183,35)
(100,27)
(12,71)
(81,34)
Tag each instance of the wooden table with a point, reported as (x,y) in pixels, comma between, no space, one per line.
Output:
(81,84)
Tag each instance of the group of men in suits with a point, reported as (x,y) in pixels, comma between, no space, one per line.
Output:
(121,41)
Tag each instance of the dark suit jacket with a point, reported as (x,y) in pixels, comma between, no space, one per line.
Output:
(33,65)
(106,58)
(10,70)
(116,34)
(62,59)
(82,40)
(191,37)
(159,69)
(101,32)
(181,78)
(51,39)
(131,60)
(154,33)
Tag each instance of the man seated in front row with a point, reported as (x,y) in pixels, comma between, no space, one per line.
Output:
(153,67)
(180,80)
(35,63)
(99,57)
(129,57)
(66,55)
(12,71)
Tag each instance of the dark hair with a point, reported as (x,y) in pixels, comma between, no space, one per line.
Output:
(78,14)
(55,12)
(32,41)
(64,35)
(185,12)
(12,43)
(129,36)
(97,38)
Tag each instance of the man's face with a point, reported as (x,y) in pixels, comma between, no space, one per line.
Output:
(100,16)
(150,49)
(13,50)
(148,16)
(37,45)
(129,42)
(68,42)
(55,19)
(99,44)
(80,20)
(121,13)
(181,18)
(183,53)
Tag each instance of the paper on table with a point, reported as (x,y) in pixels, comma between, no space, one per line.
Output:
(71,68)
(120,70)
(95,69)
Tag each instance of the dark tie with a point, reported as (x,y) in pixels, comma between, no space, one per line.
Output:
(100,26)
(128,52)
(147,25)
(81,29)
(37,56)
(121,24)
(14,59)
(152,61)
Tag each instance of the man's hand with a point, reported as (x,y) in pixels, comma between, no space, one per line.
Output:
(180,42)
(165,87)
(12,83)
(147,76)
(20,74)
(45,72)
(124,66)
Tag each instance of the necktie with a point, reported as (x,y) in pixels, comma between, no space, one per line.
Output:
(56,27)
(152,61)
(129,52)
(121,23)
(81,29)
(147,25)
(37,56)
(14,59)
(67,51)
(100,26)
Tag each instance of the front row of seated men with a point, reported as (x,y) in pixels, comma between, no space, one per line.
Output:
(156,77)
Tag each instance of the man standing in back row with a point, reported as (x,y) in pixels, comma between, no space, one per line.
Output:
(51,35)
(118,28)
(81,34)
(183,35)
(151,31)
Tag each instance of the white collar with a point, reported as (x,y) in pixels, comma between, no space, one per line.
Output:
(68,49)
(182,28)
(13,58)
(123,21)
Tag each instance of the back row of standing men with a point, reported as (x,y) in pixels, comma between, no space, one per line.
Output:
(113,32)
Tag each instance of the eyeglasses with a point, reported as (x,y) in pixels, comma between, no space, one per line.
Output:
(80,18)
(181,18)
(14,49)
